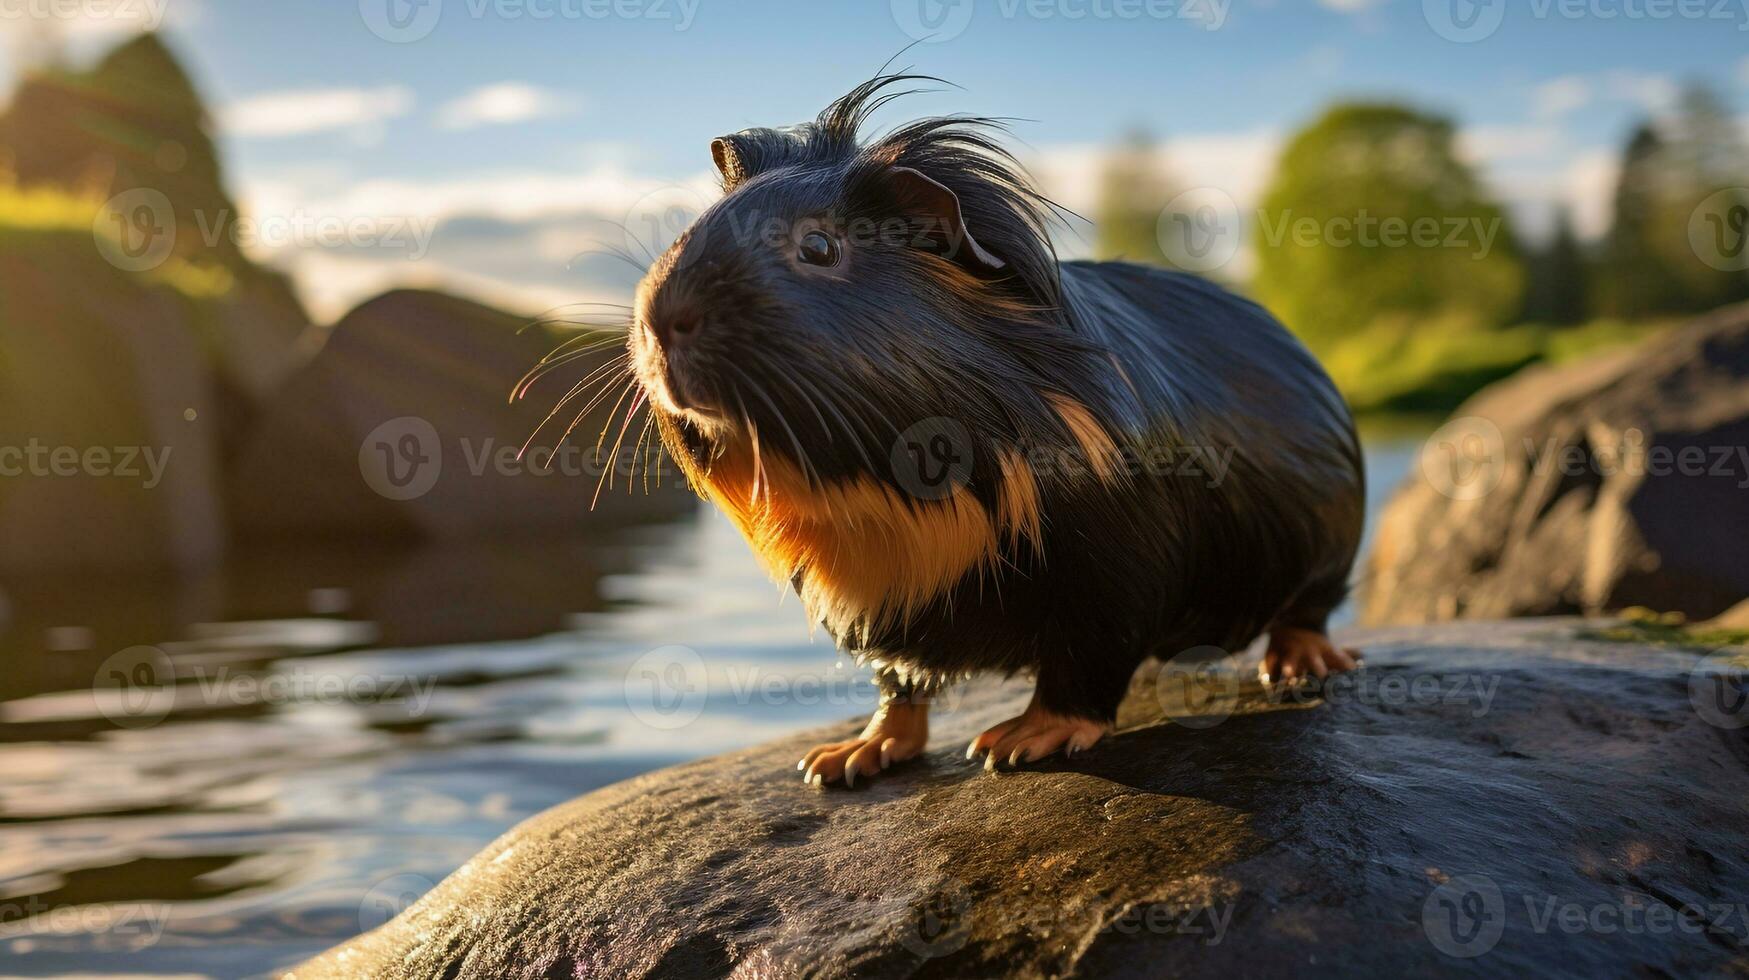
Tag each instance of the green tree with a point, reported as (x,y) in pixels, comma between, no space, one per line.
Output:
(1132,190)
(1371,214)
(1559,278)
(1670,168)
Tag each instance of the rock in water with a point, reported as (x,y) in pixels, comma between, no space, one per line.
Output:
(1621,480)
(1492,799)
(400,428)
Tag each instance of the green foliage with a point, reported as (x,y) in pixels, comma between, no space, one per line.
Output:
(1370,215)
(1412,366)
(1560,276)
(1650,264)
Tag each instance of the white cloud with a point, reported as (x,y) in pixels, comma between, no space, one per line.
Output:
(1561,96)
(1493,145)
(1237,163)
(505,102)
(1349,6)
(1651,92)
(301,111)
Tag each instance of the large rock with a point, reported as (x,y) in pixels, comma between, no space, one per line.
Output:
(1484,799)
(134,130)
(401,427)
(109,445)
(1621,480)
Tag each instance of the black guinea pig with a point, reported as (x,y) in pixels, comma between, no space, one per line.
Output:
(967,456)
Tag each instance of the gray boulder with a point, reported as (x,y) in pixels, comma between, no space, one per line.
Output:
(1479,799)
(1621,480)
(400,427)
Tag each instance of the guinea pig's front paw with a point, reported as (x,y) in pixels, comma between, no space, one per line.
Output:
(1300,654)
(1034,735)
(898,731)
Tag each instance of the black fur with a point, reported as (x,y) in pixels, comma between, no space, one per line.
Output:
(832,369)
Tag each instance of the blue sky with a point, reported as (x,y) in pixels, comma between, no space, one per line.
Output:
(512,124)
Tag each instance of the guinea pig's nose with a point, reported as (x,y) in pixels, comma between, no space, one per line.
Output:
(675,327)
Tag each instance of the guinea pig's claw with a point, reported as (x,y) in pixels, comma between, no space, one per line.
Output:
(1035,735)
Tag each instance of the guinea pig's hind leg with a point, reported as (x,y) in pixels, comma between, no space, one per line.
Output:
(897,731)
(1035,734)
(1296,653)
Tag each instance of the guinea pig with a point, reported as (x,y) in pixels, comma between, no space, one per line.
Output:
(967,456)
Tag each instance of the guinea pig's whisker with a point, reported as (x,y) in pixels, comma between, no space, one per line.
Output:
(638,402)
(802,457)
(546,367)
(604,380)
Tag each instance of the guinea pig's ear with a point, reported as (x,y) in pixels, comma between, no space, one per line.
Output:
(729,161)
(922,195)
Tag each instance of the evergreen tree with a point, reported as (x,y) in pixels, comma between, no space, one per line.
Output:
(1557,293)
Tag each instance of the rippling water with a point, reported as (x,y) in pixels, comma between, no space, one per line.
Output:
(221,777)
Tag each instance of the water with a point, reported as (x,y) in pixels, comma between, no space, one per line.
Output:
(345,729)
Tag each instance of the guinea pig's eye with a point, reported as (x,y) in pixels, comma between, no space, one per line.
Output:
(818,248)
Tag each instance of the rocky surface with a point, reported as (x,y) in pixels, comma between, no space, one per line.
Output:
(1618,481)
(401,427)
(1479,799)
